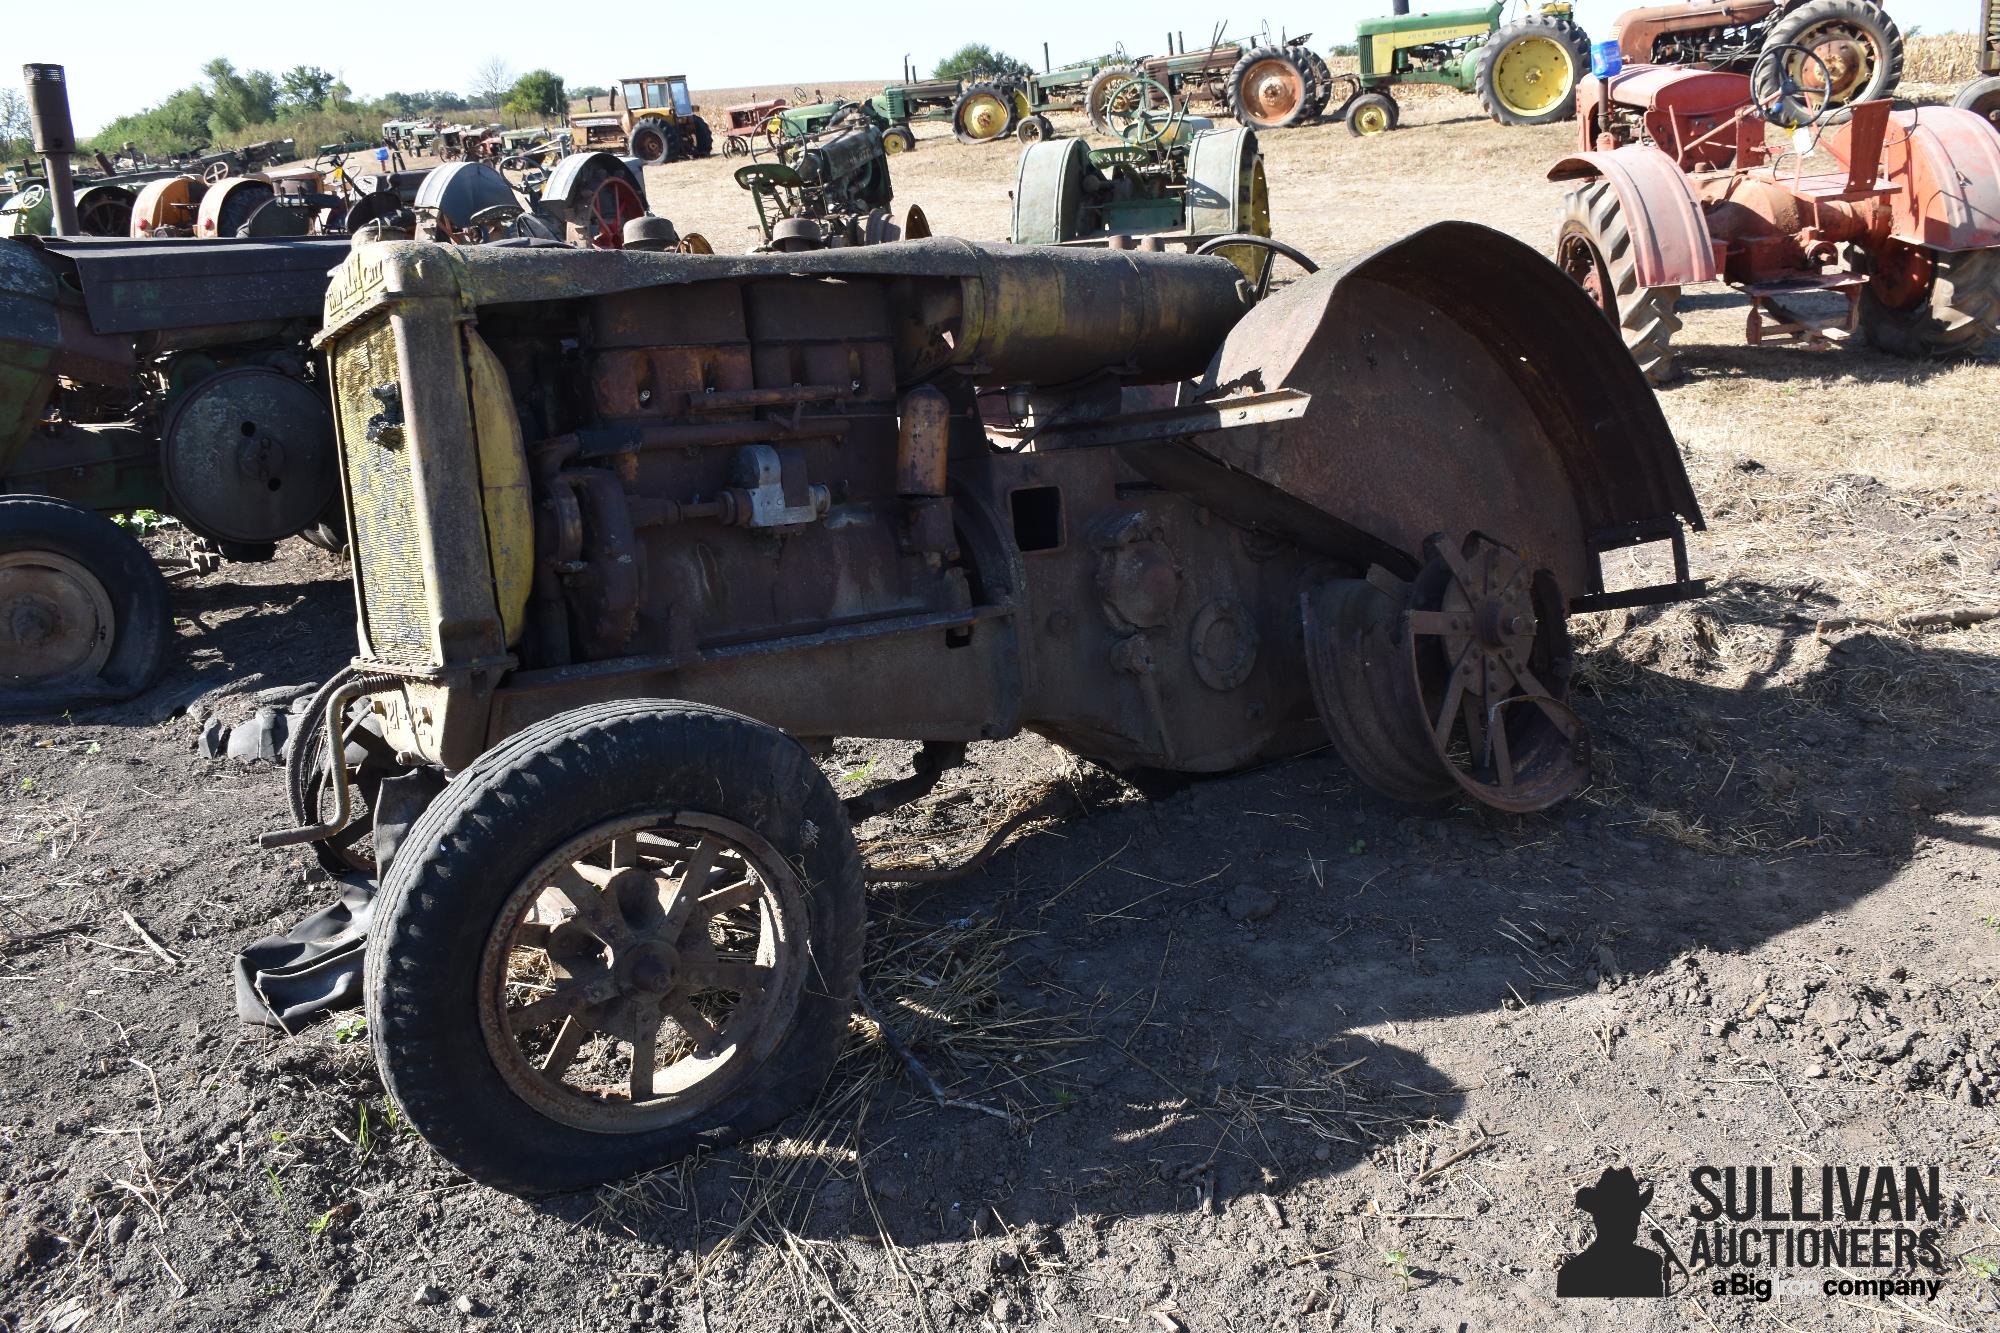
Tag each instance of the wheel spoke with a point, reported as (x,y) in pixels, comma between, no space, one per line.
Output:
(1434,622)
(1502,759)
(645,1042)
(1475,724)
(563,1002)
(694,1023)
(730,897)
(737,974)
(1551,707)
(1453,693)
(588,899)
(685,894)
(569,1040)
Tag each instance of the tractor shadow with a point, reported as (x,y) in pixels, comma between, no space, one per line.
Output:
(1783,364)
(1225,979)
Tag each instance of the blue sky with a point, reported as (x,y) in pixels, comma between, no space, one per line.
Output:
(123,54)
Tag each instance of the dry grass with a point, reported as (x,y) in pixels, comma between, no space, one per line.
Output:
(1946,57)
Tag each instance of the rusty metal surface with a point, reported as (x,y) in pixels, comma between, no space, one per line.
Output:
(1671,244)
(1550,430)
(795,498)
(141,286)
(1945,163)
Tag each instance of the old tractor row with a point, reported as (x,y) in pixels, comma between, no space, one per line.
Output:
(635,535)
(172,370)
(1679,183)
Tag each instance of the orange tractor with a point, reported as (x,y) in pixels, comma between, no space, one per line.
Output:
(1678,183)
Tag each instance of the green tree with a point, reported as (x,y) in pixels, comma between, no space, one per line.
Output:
(13,121)
(976,59)
(537,93)
(588,90)
(248,98)
(305,88)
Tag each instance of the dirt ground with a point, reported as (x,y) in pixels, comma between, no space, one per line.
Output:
(1267,1053)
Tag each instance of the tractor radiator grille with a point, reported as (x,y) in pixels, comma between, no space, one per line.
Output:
(388,553)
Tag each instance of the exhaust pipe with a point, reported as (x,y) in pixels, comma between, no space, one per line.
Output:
(1401,6)
(48,113)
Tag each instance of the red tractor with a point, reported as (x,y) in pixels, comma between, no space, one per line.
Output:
(1677,183)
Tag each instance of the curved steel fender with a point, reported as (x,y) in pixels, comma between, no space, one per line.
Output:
(1225,186)
(1670,240)
(1048,187)
(1506,405)
(1947,162)
(563,182)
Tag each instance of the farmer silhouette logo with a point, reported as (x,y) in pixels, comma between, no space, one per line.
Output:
(1615,1264)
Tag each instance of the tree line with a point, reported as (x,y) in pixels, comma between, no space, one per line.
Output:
(228,106)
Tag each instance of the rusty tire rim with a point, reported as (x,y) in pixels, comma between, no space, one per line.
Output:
(1272,90)
(56,620)
(1489,652)
(649,145)
(1579,258)
(1850,58)
(1900,276)
(642,971)
(613,203)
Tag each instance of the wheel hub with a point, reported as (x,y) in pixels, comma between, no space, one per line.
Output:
(1272,89)
(58,619)
(638,972)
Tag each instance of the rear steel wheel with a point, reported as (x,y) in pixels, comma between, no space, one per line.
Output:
(1456,680)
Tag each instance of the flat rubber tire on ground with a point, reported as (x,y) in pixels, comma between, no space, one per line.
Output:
(1528,70)
(1818,20)
(1594,247)
(91,597)
(493,830)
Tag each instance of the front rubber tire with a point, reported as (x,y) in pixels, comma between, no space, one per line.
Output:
(486,832)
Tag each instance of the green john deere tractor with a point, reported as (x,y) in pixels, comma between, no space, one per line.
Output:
(1525,72)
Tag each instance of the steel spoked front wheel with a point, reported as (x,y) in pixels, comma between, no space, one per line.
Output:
(635,975)
(624,933)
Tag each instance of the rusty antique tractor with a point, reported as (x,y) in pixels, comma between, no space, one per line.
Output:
(1679,185)
(635,534)
(1854,43)
(828,189)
